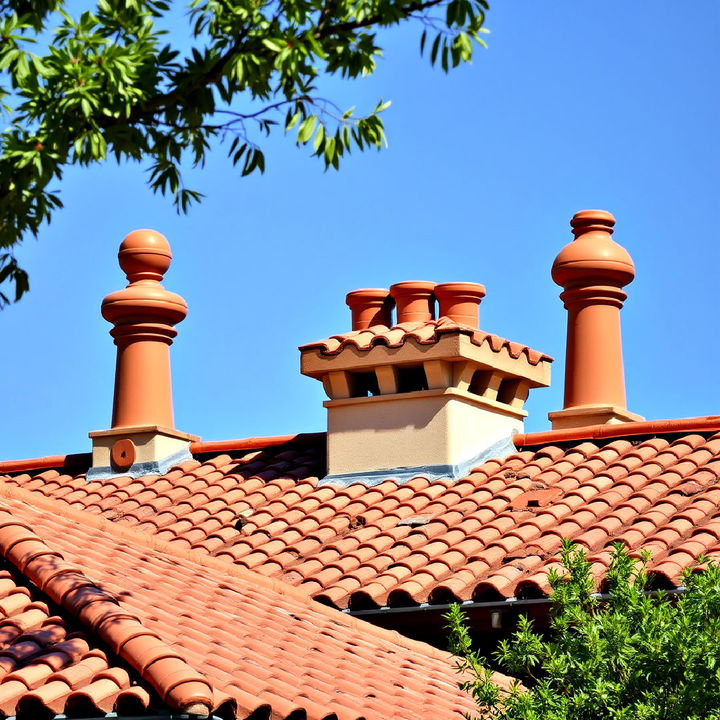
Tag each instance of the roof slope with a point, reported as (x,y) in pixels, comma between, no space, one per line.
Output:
(50,665)
(493,534)
(198,634)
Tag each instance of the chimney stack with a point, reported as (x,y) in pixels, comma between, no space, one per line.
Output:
(592,270)
(142,439)
(426,396)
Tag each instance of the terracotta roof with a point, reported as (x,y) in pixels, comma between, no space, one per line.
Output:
(172,629)
(426,332)
(493,534)
(48,664)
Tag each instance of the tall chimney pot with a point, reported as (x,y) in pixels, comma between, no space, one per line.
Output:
(142,439)
(592,270)
(143,314)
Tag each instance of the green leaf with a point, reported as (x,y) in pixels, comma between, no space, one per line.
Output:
(306,129)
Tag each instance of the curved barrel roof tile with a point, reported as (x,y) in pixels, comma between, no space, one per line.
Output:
(494,533)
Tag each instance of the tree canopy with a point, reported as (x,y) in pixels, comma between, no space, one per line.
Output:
(109,82)
(632,654)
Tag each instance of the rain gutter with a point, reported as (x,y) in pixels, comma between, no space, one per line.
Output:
(512,602)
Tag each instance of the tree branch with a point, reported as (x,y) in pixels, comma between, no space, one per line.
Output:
(372,19)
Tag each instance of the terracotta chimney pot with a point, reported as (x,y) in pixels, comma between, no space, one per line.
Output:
(143,314)
(592,270)
(370,306)
(414,299)
(143,440)
(460,301)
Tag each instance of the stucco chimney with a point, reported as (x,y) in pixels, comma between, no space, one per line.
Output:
(426,396)
(142,439)
(592,271)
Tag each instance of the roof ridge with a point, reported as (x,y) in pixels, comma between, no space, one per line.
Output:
(146,540)
(252,443)
(703,423)
(176,681)
(51,462)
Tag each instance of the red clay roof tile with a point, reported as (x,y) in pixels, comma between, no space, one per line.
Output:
(593,491)
(217,607)
(424,333)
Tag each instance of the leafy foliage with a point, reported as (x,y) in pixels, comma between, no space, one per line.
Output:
(633,655)
(107,85)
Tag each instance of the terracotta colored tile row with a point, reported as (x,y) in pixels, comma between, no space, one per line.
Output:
(251,644)
(493,534)
(50,663)
(424,333)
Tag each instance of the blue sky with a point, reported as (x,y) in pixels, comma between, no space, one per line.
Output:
(576,104)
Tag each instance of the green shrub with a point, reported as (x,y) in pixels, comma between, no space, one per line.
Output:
(629,654)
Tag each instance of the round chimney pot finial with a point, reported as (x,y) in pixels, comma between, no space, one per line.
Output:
(593,257)
(592,220)
(144,255)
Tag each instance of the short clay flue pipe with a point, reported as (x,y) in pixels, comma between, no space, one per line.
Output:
(414,299)
(370,306)
(460,301)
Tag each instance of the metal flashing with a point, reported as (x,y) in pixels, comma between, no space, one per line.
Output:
(156,467)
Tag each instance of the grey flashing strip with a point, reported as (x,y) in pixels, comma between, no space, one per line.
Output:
(157,467)
(497,451)
(489,605)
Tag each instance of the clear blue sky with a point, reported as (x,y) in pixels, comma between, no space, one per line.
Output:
(575,104)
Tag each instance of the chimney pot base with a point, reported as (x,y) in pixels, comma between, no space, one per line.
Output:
(583,416)
(150,450)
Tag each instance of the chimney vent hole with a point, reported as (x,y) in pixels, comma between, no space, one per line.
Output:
(411,379)
(364,384)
